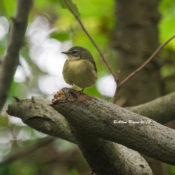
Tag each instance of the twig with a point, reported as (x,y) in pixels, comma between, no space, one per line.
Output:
(16,99)
(25,152)
(146,62)
(11,57)
(142,66)
(93,42)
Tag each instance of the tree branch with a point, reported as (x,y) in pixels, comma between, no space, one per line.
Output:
(97,117)
(11,57)
(38,114)
(132,74)
(91,39)
(146,62)
(161,109)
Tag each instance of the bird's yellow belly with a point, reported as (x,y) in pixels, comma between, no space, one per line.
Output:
(80,73)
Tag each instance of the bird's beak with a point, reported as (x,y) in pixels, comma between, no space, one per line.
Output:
(66,52)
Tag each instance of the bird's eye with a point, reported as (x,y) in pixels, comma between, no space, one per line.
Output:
(75,53)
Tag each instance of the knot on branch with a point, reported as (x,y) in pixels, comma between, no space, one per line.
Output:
(70,95)
(16,21)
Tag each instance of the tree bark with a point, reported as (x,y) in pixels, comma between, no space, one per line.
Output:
(11,58)
(136,37)
(38,114)
(161,109)
(96,117)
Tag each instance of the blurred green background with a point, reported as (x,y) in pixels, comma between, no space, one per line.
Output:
(53,29)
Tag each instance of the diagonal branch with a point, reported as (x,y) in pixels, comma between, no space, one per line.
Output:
(105,59)
(132,74)
(161,109)
(111,122)
(146,62)
(38,114)
(93,42)
(11,57)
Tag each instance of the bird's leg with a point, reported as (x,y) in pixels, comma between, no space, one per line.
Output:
(76,88)
(80,90)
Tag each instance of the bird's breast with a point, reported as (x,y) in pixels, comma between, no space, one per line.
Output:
(79,72)
(78,67)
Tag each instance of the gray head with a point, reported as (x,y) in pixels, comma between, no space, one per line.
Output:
(78,52)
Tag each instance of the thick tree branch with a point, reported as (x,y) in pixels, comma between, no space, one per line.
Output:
(103,157)
(38,114)
(161,109)
(149,59)
(11,57)
(103,119)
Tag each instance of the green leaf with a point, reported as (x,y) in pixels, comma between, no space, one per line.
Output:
(73,5)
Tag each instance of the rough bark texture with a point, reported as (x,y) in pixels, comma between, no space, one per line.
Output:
(11,57)
(136,37)
(96,117)
(161,109)
(38,114)
(103,157)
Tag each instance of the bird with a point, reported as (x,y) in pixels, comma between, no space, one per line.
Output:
(79,69)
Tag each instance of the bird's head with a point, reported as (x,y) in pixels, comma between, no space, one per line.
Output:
(78,52)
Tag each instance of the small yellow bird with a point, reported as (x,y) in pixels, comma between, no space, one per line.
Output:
(79,69)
